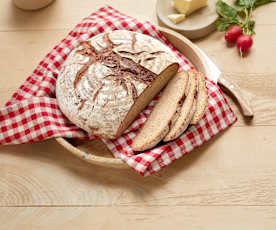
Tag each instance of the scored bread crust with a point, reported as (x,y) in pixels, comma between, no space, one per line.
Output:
(108,80)
(201,99)
(187,110)
(163,115)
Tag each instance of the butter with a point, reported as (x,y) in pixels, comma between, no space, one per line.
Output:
(189,6)
(176,18)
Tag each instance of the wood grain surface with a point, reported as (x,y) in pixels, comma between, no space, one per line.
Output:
(229,183)
(136,218)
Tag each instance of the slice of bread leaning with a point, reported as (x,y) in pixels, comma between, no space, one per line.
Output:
(187,110)
(163,115)
(201,99)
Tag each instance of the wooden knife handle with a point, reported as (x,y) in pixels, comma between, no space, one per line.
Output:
(237,93)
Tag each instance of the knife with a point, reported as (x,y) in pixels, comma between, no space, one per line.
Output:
(228,86)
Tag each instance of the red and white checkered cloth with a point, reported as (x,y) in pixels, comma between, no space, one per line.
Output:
(32,114)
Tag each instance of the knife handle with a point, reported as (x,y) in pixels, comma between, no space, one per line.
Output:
(233,89)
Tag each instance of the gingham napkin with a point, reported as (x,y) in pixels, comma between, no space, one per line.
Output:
(32,114)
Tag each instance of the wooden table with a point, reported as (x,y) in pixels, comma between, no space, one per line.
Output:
(229,183)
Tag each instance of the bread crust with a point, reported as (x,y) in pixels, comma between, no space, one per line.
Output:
(201,99)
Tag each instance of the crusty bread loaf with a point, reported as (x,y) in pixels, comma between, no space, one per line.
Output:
(201,99)
(108,80)
(163,115)
(187,110)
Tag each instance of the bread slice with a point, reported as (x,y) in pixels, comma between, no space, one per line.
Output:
(163,115)
(147,95)
(201,99)
(187,110)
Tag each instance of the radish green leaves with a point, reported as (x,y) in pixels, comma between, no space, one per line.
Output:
(239,14)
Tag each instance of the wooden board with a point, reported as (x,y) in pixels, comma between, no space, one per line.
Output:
(136,218)
(46,174)
(229,183)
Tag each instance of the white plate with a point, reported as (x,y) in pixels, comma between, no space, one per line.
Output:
(198,24)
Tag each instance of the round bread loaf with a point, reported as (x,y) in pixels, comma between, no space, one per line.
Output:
(108,80)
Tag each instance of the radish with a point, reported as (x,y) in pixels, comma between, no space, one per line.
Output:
(244,42)
(232,33)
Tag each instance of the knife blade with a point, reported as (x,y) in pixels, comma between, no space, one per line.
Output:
(228,86)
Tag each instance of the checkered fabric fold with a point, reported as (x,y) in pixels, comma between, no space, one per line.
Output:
(32,114)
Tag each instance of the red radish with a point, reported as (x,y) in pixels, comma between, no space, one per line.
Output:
(232,33)
(244,42)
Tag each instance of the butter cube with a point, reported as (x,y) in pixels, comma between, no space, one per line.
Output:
(176,18)
(189,6)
